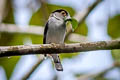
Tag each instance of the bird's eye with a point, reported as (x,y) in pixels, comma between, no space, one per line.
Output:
(63,13)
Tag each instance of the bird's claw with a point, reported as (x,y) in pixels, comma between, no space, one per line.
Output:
(53,44)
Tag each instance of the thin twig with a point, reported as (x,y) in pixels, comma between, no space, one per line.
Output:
(27,75)
(81,16)
(87,12)
(36,30)
(99,73)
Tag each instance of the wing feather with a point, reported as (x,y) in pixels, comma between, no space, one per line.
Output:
(45,33)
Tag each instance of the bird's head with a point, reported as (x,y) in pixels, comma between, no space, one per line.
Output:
(61,14)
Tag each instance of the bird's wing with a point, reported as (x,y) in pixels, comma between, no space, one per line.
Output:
(44,36)
(45,33)
(55,57)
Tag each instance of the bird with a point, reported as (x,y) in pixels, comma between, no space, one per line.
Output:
(55,31)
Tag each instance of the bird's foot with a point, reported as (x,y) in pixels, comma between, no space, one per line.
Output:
(53,44)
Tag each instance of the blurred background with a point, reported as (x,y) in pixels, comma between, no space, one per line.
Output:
(22,23)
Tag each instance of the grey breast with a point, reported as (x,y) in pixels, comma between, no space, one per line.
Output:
(56,32)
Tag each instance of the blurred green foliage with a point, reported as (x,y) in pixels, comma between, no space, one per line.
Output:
(65,55)
(9,64)
(82,29)
(116,55)
(9,16)
(38,17)
(114,26)
(114,32)
(17,39)
(6,39)
(14,39)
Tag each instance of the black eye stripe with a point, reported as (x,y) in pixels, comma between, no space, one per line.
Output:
(60,10)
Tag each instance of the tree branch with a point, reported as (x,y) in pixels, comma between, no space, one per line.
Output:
(12,28)
(58,48)
(2,9)
(80,19)
(37,30)
(98,74)
(86,12)
(81,16)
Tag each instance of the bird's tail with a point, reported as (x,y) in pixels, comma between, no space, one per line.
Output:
(57,62)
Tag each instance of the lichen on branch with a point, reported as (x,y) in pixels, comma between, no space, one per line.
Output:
(58,48)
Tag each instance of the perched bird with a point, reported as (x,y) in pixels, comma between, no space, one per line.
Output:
(54,32)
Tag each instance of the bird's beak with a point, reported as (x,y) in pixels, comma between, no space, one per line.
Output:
(68,19)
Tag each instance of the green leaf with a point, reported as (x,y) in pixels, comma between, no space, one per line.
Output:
(18,39)
(9,64)
(74,23)
(116,55)
(114,26)
(38,18)
(7,39)
(65,55)
(82,29)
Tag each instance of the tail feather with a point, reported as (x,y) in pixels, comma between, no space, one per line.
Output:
(57,62)
(58,66)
